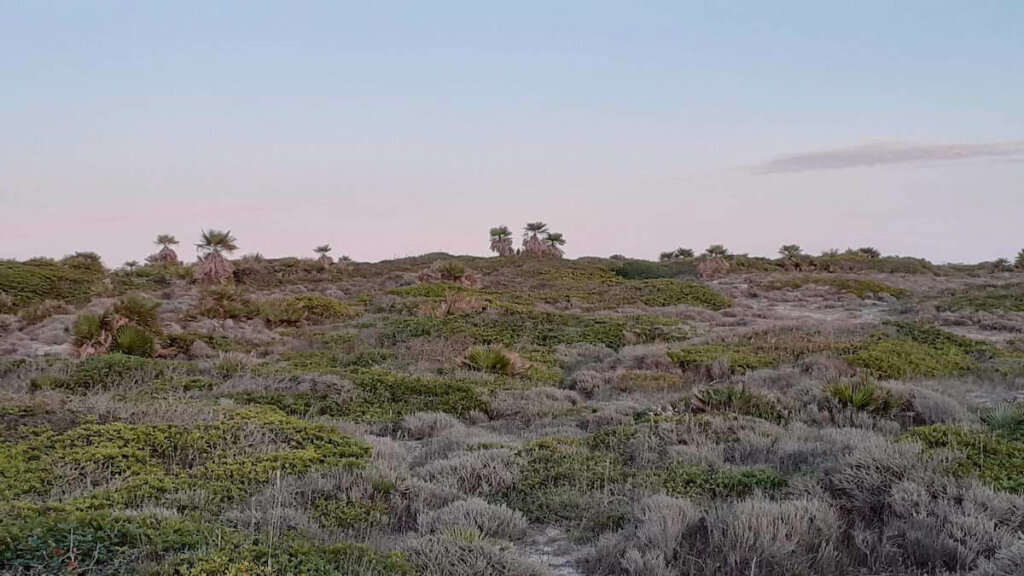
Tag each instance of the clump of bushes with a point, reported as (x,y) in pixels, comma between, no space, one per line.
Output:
(900,359)
(859,287)
(679,479)
(223,302)
(1009,298)
(38,280)
(989,456)
(132,464)
(730,359)
(303,309)
(735,399)
(36,313)
(105,372)
(672,293)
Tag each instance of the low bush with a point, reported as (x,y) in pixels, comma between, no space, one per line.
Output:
(36,313)
(108,372)
(223,302)
(493,521)
(135,464)
(859,287)
(466,553)
(734,359)
(36,281)
(1009,298)
(680,479)
(308,308)
(990,457)
(738,400)
(893,359)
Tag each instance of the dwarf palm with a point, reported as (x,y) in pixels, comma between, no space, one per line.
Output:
(213,267)
(501,241)
(716,251)
(532,243)
(166,255)
(322,250)
(553,242)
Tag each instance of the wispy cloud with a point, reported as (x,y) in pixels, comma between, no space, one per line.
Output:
(885,153)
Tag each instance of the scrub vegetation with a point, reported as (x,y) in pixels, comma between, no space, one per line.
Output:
(524,414)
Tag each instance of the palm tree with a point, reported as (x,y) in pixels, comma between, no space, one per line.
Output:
(553,242)
(213,267)
(324,259)
(131,265)
(501,241)
(869,252)
(532,243)
(716,251)
(166,255)
(1001,265)
(1019,262)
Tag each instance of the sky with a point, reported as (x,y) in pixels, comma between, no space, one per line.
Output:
(390,129)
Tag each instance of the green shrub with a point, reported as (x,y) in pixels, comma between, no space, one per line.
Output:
(132,464)
(109,371)
(567,463)
(493,359)
(514,326)
(36,313)
(432,291)
(388,396)
(1008,298)
(859,287)
(89,261)
(305,405)
(36,281)
(940,339)
(984,455)
(672,293)
(642,270)
(306,308)
(702,482)
(224,302)
(347,514)
(133,341)
(101,542)
(296,559)
(893,359)
(702,357)
(451,271)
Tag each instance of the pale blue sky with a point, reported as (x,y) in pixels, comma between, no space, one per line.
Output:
(396,128)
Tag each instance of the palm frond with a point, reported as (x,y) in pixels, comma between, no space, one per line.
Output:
(217,241)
